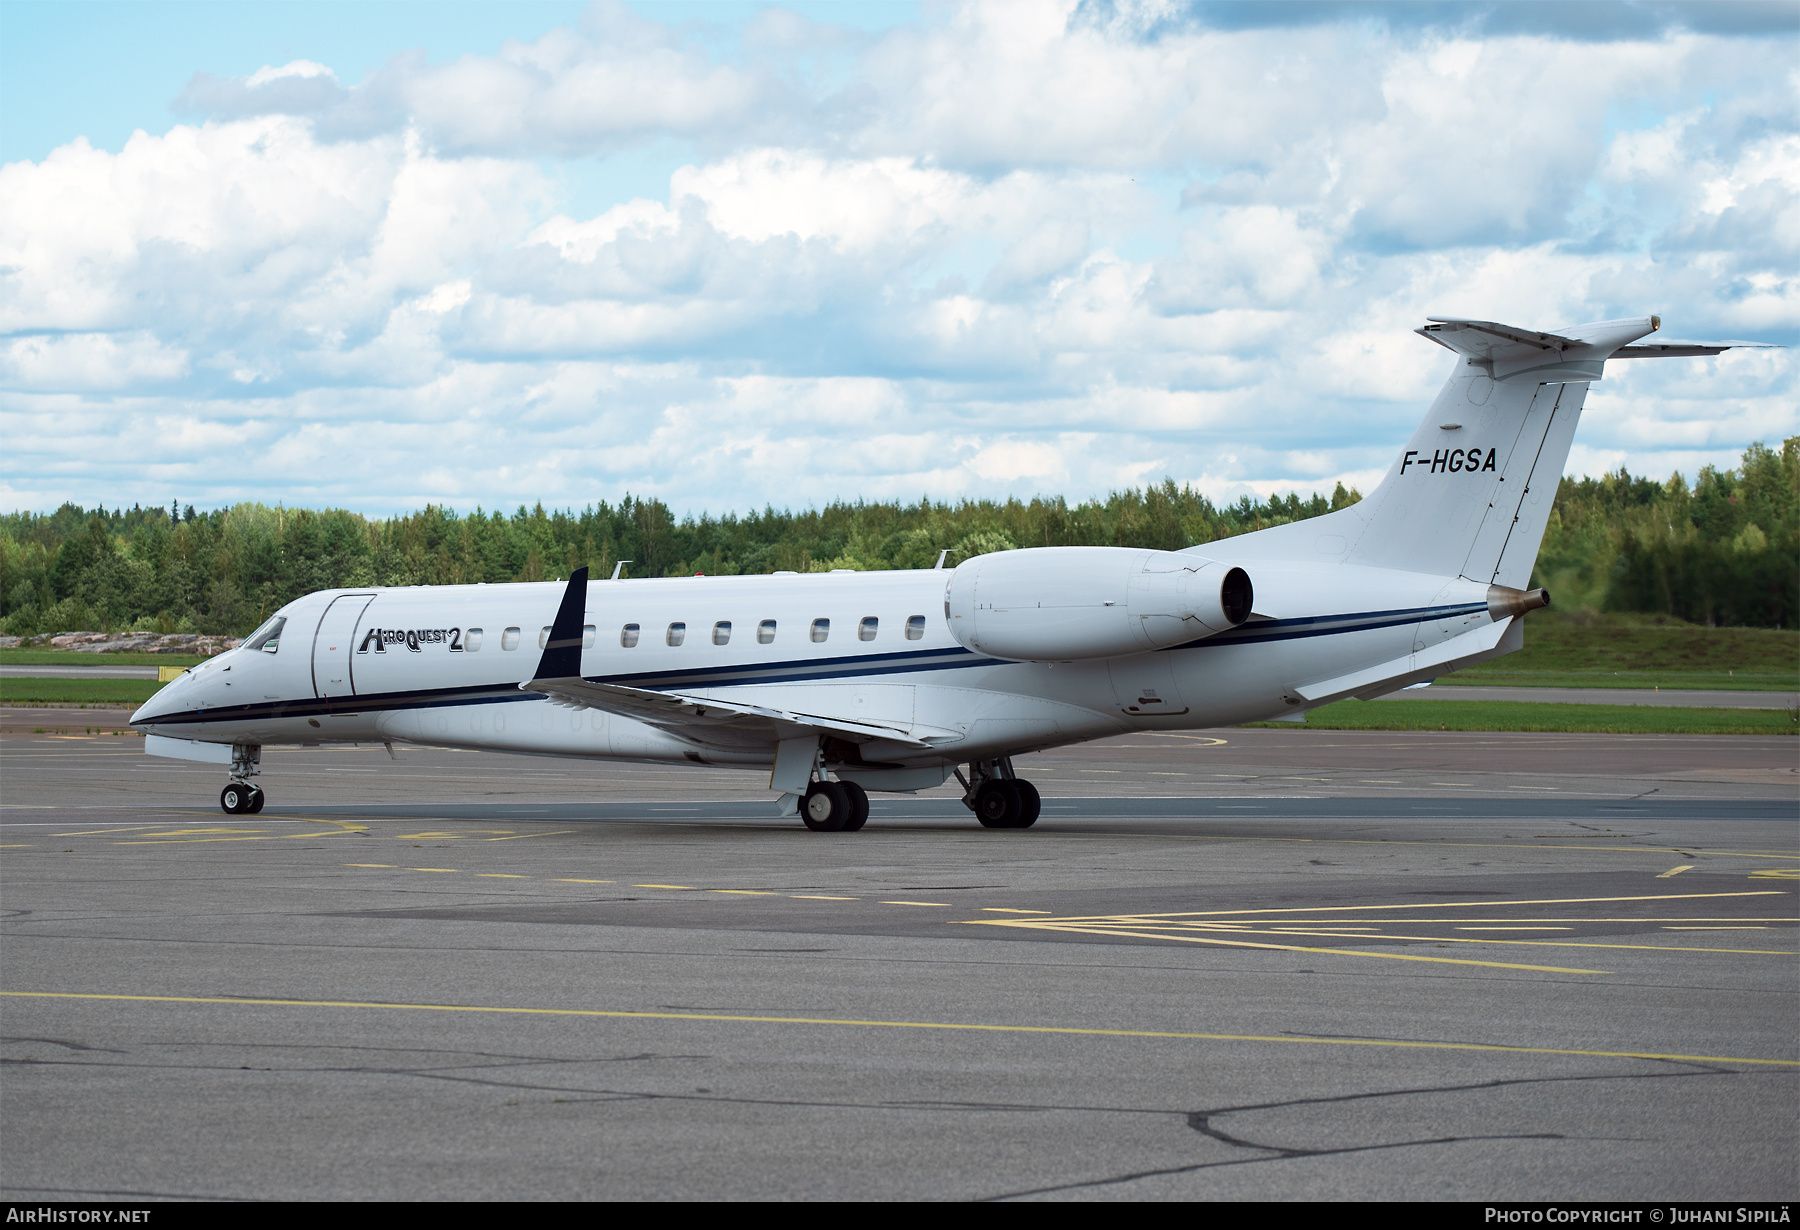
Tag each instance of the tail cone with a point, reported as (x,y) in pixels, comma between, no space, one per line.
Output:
(1504,601)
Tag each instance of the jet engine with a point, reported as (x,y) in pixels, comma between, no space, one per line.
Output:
(1059,604)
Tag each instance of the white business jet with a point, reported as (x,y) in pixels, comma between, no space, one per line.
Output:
(846,682)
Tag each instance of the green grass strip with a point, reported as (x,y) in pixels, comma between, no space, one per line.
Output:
(77,691)
(1534,716)
(1707,681)
(68,657)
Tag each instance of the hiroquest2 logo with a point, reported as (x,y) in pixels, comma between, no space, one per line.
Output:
(412,638)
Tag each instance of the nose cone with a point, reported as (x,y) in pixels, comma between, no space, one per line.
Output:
(149,711)
(167,700)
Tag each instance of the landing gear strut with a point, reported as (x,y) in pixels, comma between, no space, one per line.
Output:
(999,799)
(241,797)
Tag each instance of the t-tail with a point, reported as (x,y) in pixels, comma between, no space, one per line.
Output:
(1470,494)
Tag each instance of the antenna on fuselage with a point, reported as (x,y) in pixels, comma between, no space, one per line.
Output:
(619,567)
(942,556)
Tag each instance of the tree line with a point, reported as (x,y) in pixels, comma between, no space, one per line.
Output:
(1725,551)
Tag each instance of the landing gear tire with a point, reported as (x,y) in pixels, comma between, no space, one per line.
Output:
(1030,804)
(859,806)
(998,804)
(826,807)
(236,799)
(257,798)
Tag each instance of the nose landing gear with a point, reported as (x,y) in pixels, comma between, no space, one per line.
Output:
(241,797)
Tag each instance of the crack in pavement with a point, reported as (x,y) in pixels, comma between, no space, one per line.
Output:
(90,1193)
(73,1046)
(1201,1121)
(1269,1157)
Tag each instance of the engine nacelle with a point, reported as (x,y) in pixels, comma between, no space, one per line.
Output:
(1059,604)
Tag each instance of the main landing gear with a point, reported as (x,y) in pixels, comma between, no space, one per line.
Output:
(835,807)
(998,798)
(241,797)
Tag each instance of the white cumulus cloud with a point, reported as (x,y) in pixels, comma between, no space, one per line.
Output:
(1012,248)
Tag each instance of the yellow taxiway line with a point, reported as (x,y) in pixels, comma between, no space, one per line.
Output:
(949,1026)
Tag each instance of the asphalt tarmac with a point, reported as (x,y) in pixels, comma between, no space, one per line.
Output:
(1248,964)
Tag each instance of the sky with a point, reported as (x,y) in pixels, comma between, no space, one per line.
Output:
(737,255)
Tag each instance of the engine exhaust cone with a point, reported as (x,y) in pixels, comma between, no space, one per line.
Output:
(1504,601)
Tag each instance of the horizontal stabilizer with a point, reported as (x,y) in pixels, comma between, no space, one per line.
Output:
(1685,350)
(1449,331)
(1574,354)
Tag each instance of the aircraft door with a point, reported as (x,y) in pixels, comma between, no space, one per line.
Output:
(1145,685)
(333,646)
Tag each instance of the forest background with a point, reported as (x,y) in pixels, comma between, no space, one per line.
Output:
(1723,552)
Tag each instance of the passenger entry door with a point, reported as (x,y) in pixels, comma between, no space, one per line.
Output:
(333,647)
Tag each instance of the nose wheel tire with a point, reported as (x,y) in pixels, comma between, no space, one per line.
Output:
(236,799)
(826,807)
(256,800)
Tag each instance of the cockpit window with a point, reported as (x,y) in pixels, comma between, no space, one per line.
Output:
(268,637)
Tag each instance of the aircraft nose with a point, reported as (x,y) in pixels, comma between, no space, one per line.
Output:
(161,704)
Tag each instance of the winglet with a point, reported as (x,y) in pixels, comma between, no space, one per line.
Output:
(562,652)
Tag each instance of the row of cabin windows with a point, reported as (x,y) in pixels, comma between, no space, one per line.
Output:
(819,632)
(509,639)
(866,630)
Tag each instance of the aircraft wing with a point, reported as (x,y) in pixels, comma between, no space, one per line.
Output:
(699,716)
(559,677)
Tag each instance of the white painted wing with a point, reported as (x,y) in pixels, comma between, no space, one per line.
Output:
(705,718)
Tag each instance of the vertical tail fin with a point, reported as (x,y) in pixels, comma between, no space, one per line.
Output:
(1472,491)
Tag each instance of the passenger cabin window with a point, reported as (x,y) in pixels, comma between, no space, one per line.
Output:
(268,637)
(589,634)
(821,630)
(543,637)
(765,632)
(722,632)
(509,639)
(915,627)
(677,634)
(628,636)
(865,631)
(472,641)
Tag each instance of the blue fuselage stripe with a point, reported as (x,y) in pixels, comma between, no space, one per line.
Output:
(1330,625)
